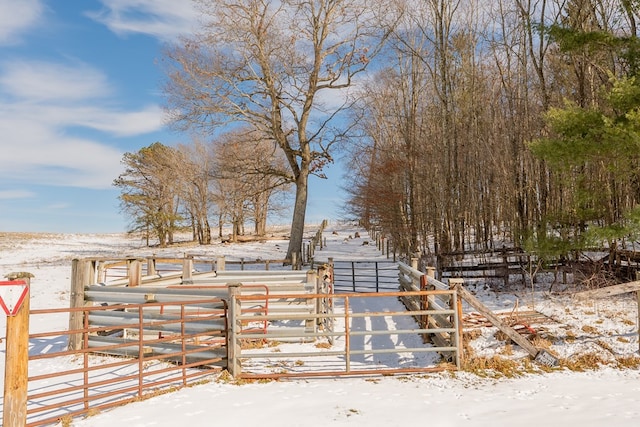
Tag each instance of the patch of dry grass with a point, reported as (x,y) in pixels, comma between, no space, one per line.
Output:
(495,366)
(584,362)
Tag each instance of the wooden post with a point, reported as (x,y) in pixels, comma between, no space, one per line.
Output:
(312,285)
(80,277)
(135,272)
(187,268)
(102,272)
(151,265)
(234,328)
(17,362)
(220,263)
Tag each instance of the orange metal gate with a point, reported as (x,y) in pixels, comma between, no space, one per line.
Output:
(129,352)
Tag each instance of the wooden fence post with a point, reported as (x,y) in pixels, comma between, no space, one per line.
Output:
(81,274)
(312,285)
(187,268)
(220,263)
(17,361)
(151,265)
(134,272)
(234,328)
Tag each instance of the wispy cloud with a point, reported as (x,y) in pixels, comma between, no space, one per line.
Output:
(40,105)
(17,17)
(16,194)
(41,81)
(163,19)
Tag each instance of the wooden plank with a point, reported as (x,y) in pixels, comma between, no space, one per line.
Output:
(610,290)
(17,362)
(496,321)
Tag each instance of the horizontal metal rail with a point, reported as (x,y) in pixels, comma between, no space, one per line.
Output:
(343,337)
(155,361)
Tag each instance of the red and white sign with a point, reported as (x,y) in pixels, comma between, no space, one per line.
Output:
(12,295)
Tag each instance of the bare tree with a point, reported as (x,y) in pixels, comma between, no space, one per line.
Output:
(193,169)
(251,170)
(269,65)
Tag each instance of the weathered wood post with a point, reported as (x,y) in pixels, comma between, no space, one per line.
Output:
(187,268)
(322,288)
(234,328)
(151,265)
(312,287)
(17,359)
(82,273)
(220,263)
(134,271)
(456,304)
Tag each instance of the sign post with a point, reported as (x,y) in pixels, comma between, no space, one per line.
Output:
(14,300)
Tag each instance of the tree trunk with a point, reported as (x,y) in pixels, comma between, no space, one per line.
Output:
(299,213)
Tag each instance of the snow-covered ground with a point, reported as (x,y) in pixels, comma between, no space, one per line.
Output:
(573,330)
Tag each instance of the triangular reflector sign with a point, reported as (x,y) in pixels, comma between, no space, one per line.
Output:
(12,295)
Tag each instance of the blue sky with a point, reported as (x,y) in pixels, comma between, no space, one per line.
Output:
(79,87)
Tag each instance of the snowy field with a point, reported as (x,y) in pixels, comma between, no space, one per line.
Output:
(574,330)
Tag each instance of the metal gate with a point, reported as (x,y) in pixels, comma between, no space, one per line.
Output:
(358,334)
(365,276)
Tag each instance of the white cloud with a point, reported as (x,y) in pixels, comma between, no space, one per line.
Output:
(38,153)
(129,123)
(16,194)
(17,17)
(44,106)
(163,19)
(45,81)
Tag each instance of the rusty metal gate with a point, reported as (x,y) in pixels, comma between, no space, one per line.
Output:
(129,352)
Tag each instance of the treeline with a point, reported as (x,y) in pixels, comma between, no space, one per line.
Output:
(235,179)
(510,120)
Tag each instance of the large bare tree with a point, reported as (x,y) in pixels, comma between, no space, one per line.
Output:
(281,67)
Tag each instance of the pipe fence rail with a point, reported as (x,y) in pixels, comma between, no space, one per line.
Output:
(139,350)
(352,339)
(141,335)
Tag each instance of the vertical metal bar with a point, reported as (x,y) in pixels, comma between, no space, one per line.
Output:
(456,305)
(459,329)
(377,278)
(85,346)
(140,350)
(347,340)
(353,275)
(184,345)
